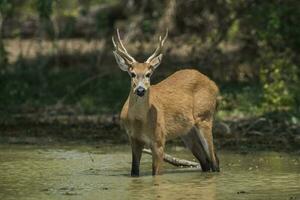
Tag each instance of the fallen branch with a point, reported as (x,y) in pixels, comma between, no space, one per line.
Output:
(176,161)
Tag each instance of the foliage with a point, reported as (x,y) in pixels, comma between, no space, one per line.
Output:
(45,9)
(5,9)
(3,55)
(279,82)
(273,28)
(275,24)
(261,36)
(24,89)
(240,100)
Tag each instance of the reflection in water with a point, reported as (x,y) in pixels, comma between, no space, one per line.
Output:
(84,172)
(164,187)
(197,188)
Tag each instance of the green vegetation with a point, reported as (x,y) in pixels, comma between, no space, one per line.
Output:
(28,88)
(250,48)
(280,84)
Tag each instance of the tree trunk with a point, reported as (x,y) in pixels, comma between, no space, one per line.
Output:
(168,19)
(3,53)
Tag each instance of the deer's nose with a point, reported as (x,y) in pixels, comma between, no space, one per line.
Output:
(140,91)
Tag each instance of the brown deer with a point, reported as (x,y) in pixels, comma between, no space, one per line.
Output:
(182,105)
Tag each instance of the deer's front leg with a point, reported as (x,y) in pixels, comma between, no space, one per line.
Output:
(137,148)
(157,157)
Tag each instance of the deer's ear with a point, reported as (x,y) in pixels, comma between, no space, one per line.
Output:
(155,62)
(123,63)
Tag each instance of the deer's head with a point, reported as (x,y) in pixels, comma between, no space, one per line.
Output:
(140,73)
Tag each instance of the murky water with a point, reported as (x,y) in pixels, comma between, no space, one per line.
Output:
(85,172)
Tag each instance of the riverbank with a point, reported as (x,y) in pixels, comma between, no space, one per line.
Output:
(265,132)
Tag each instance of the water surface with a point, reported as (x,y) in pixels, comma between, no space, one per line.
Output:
(87,172)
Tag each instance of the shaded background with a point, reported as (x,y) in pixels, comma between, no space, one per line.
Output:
(58,76)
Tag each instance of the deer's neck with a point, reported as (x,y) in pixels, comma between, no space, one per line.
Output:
(139,106)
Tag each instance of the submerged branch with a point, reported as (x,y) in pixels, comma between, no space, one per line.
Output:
(176,161)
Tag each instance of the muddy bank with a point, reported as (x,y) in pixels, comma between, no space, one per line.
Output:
(269,132)
(36,129)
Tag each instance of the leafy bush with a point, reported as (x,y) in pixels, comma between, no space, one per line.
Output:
(279,81)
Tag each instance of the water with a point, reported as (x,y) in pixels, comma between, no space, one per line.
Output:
(86,172)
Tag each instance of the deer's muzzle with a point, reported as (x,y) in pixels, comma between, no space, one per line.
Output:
(140,91)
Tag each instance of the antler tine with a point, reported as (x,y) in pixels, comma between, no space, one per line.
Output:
(120,41)
(159,48)
(166,35)
(121,49)
(113,41)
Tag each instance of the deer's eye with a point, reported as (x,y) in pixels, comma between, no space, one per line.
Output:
(132,74)
(148,75)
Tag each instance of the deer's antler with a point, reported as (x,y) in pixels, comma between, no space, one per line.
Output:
(120,49)
(159,48)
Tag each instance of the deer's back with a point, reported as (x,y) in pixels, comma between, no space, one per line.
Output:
(184,97)
(188,80)
(184,83)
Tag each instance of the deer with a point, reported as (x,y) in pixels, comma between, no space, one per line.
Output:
(182,105)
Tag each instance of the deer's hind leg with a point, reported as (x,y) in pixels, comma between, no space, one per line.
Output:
(196,146)
(204,131)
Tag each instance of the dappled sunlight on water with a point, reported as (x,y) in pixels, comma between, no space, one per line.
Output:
(85,172)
